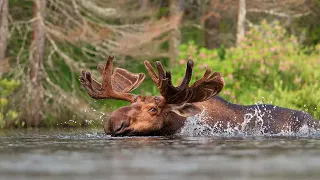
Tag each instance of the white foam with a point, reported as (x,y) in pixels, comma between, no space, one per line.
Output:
(197,126)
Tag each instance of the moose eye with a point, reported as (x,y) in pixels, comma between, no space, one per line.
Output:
(152,110)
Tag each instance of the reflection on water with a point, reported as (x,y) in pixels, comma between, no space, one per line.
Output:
(92,155)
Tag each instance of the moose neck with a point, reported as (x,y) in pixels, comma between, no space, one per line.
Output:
(173,123)
(217,108)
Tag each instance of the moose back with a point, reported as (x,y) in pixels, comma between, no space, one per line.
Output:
(166,114)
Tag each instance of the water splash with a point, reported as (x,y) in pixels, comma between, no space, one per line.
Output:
(253,125)
(257,119)
(198,126)
(195,126)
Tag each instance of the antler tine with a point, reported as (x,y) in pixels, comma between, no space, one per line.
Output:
(205,76)
(107,73)
(187,77)
(160,70)
(162,79)
(151,72)
(168,76)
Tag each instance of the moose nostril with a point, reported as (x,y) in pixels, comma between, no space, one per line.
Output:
(120,126)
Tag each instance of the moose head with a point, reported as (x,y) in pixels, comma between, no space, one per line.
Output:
(150,115)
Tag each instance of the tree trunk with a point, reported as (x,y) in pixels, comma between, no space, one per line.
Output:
(211,27)
(36,65)
(175,9)
(241,21)
(144,4)
(3,31)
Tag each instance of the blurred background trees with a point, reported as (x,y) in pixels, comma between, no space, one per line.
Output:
(267,51)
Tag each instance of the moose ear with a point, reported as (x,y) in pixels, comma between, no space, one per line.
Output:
(186,110)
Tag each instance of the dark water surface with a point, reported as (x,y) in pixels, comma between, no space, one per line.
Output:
(67,155)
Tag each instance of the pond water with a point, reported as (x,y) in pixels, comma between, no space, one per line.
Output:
(89,154)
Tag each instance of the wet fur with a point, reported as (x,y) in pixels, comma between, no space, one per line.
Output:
(274,118)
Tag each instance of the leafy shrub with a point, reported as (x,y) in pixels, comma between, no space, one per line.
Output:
(6,89)
(267,66)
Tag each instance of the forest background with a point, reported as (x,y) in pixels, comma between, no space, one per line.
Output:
(267,50)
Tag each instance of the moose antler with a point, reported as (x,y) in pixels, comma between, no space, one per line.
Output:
(116,85)
(204,88)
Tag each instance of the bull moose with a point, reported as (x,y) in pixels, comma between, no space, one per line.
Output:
(166,114)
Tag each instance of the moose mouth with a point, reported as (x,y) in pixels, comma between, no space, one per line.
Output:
(123,132)
(132,132)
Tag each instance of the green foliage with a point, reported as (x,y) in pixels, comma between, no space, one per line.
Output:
(6,89)
(268,66)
